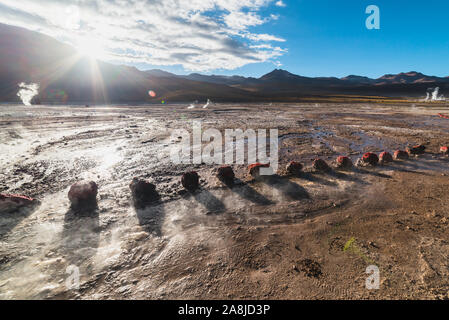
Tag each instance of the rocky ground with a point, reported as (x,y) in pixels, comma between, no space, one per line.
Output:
(305,237)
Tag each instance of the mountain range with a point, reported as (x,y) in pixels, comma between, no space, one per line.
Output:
(64,77)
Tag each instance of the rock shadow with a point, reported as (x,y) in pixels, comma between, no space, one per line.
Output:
(247,192)
(212,204)
(151,218)
(81,234)
(9,220)
(290,189)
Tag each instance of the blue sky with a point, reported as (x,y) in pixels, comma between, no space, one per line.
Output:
(329,38)
(248,37)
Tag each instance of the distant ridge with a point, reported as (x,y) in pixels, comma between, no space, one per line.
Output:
(65,77)
(160,73)
(280,75)
(358,79)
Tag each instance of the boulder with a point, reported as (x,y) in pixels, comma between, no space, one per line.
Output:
(418,149)
(83,194)
(226,174)
(143,192)
(190,180)
(294,168)
(320,165)
(343,162)
(400,155)
(370,158)
(444,150)
(385,157)
(254,169)
(14,202)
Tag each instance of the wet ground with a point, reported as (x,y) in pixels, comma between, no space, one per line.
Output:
(282,237)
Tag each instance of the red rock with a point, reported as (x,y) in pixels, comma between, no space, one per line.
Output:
(226,174)
(344,162)
(13,202)
(370,158)
(83,193)
(143,192)
(418,149)
(294,167)
(444,150)
(385,157)
(320,165)
(400,155)
(190,180)
(254,169)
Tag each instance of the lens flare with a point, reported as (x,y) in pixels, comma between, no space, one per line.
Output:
(90,48)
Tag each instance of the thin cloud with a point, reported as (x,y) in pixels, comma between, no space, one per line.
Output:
(281,4)
(200,35)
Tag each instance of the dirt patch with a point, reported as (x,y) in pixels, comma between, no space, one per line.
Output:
(277,238)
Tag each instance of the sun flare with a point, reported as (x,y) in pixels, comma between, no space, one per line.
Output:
(90,48)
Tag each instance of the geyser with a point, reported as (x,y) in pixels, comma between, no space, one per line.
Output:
(28,92)
(432,95)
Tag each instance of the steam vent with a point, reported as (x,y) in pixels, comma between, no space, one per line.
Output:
(401,155)
(294,168)
(418,149)
(385,157)
(344,162)
(226,175)
(320,165)
(254,169)
(83,194)
(370,158)
(143,192)
(190,181)
(12,202)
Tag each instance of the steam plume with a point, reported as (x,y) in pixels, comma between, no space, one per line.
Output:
(207,104)
(192,105)
(432,95)
(28,92)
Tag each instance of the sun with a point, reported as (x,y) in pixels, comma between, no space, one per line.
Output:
(90,48)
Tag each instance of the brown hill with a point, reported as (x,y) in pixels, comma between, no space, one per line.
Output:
(64,76)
